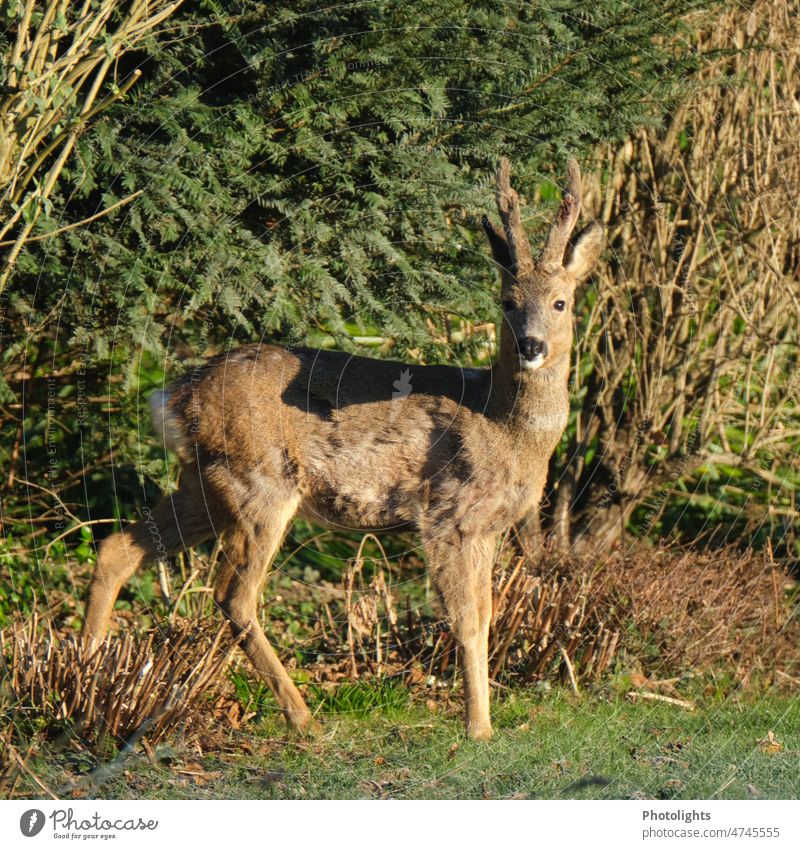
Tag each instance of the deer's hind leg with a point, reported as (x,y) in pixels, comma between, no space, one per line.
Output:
(249,550)
(178,521)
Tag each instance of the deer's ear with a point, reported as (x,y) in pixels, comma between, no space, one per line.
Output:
(585,251)
(499,244)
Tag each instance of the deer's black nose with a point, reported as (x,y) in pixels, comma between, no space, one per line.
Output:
(530,348)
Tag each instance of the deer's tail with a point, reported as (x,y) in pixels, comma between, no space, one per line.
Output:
(167,423)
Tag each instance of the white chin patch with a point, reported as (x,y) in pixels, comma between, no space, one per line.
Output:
(531,365)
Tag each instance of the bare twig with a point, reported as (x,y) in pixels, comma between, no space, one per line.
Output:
(633,695)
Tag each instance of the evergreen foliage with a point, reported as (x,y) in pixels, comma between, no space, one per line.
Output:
(310,175)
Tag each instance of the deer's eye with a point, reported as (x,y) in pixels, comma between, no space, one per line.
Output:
(560,305)
(508,306)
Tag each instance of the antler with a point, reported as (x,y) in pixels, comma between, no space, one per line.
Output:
(561,229)
(508,207)
(552,255)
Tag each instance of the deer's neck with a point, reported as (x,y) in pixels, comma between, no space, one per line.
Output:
(530,401)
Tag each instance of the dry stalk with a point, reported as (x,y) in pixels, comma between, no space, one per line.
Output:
(635,695)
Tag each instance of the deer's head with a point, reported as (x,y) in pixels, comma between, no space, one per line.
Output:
(537,294)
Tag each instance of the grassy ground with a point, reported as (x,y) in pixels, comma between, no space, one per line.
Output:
(390,740)
(547,745)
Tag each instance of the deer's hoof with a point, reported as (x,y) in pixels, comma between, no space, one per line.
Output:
(313,729)
(306,726)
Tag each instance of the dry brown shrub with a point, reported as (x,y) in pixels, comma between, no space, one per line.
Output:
(688,610)
(540,627)
(546,624)
(137,684)
(664,611)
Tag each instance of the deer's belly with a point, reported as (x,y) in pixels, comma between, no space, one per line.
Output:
(357,511)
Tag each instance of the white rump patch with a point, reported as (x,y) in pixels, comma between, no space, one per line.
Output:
(165,423)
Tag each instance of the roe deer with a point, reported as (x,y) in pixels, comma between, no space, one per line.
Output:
(266,433)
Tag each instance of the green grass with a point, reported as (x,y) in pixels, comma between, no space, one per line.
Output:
(547,745)
(360,698)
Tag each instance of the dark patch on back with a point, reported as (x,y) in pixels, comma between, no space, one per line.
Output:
(461,470)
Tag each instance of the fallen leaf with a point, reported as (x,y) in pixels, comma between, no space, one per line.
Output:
(197,774)
(770,744)
(415,675)
(376,788)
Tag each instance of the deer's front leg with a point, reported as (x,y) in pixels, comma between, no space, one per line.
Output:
(462,572)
